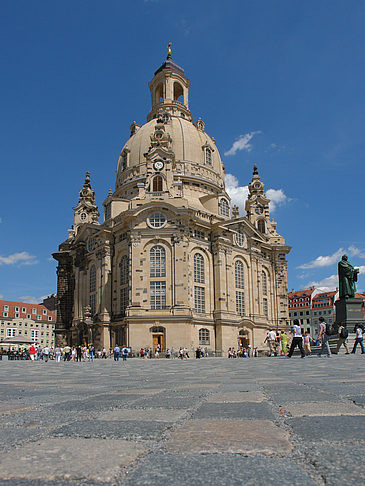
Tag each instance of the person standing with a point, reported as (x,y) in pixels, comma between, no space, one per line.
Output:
(91,352)
(116,352)
(307,343)
(284,343)
(342,339)
(32,352)
(297,339)
(323,336)
(58,354)
(358,339)
(78,353)
(46,353)
(124,353)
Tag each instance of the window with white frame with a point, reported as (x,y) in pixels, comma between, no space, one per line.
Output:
(5,314)
(24,309)
(39,318)
(44,312)
(157,220)
(199,299)
(204,336)
(34,311)
(264,282)
(34,334)
(6,307)
(11,332)
(157,261)
(49,318)
(158,295)
(16,315)
(199,268)
(224,207)
(16,309)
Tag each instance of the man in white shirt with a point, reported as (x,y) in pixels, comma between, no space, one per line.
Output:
(270,339)
(297,339)
(358,340)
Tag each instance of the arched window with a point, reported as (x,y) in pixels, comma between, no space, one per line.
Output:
(157,184)
(264,283)
(159,93)
(239,275)
(124,159)
(157,261)
(261,225)
(239,278)
(224,207)
(124,270)
(204,336)
(178,92)
(199,268)
(208,156)
(92,289)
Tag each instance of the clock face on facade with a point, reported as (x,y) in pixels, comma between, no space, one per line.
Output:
(158,165)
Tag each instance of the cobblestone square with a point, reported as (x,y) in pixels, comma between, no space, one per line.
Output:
(151,422)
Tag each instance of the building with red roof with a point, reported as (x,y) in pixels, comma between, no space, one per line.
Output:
(30,320)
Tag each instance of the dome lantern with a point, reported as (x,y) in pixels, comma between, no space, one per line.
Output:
(170,90)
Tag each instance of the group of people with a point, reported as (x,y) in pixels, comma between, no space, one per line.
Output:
(243,352)
(325,332)
(67,353)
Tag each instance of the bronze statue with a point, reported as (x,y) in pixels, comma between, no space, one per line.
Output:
(347,276)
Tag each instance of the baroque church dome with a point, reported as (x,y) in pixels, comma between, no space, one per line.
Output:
(188,142)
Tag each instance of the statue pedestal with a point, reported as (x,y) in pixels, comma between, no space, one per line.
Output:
(349,312)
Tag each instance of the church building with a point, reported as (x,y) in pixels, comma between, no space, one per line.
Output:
(172,263)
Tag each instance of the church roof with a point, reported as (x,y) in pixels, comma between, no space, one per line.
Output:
(170,64)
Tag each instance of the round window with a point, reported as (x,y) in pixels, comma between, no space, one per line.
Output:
(157,220)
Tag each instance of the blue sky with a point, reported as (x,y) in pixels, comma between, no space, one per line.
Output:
(278,83)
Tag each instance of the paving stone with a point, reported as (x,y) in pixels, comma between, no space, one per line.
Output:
(95,459)
(244,437)
(338,465)
(237,397)
(341,428)
(323,408)
(360,400)
(157,414)
(11,436)
(113,429)
(217,469)
(241,411)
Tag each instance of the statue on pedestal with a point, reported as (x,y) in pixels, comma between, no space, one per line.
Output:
(347,276)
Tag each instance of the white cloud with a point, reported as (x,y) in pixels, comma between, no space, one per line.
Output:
(21,258)
(277,197)
(354,251)
(30,299)
(242,143)
(324,261)
(326,284)
(239,194)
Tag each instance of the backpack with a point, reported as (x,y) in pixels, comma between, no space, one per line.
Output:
(329,329)
(344,333)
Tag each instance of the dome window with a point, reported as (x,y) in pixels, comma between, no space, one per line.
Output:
(261,226)
(208,156)
(157,184)
(178,92)
(124,159)
(224,207)
(157,220)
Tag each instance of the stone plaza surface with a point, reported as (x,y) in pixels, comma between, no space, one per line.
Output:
(218,421)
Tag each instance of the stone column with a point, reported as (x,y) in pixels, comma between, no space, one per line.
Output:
(65,298)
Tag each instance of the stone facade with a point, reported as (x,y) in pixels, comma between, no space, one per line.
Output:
(172,263)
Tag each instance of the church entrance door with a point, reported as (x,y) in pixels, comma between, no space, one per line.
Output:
(157,339)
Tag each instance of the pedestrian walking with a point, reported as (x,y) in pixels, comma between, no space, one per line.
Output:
(78,353)
(45,353)
(284,343)
(270,340)
(342,339)
(297,339)
(323,336)
(116,352)
(32,352)
(124,353)
(358,339)
(91,352)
